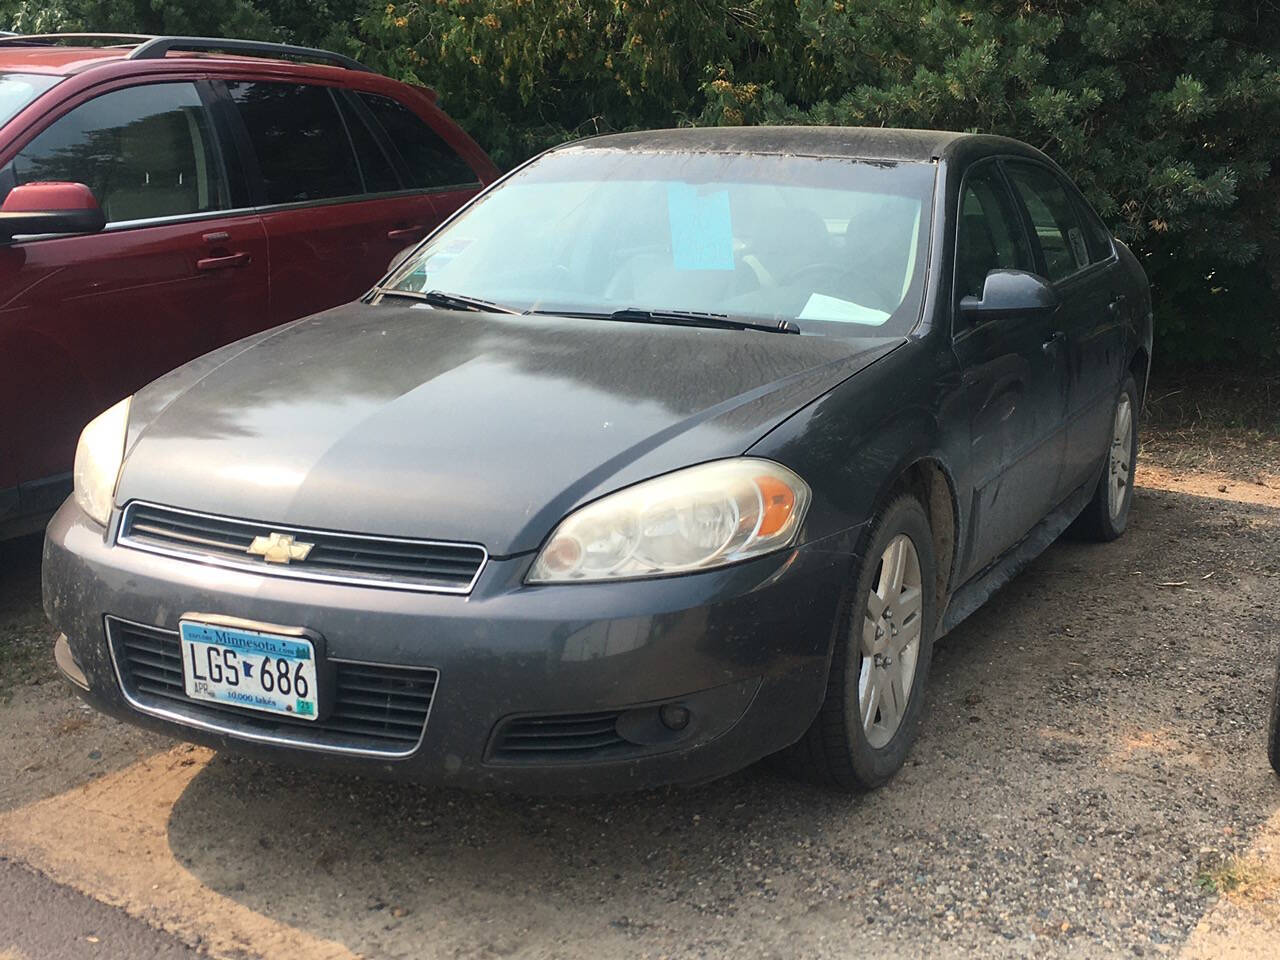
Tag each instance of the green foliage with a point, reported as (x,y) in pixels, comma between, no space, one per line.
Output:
(232,18)
(1166,112)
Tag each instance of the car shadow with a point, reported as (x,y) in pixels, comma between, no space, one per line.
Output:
(1081,710)
(20,573)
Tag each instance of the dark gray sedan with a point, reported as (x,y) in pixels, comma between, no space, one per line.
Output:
(671,451)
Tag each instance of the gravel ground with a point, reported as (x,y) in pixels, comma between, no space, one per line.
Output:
(1090,782)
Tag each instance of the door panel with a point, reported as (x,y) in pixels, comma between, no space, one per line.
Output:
(1015,377)
(87,320)
(1014,374)
(326,255)
(1093,317)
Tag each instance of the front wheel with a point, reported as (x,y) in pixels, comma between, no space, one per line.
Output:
(1107,514)
(880,662)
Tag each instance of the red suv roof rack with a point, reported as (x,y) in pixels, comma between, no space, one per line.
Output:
(53,39)
(146,47)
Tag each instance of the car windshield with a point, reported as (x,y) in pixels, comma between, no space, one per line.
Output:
(19,89)
(834,244)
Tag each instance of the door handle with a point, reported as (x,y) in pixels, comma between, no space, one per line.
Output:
(1115,305)
(406,233)
(1054,342)
(224,263)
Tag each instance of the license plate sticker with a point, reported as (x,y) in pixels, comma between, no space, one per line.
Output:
(246,668)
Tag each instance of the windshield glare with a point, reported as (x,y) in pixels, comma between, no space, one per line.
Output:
(837,245)
(19,89)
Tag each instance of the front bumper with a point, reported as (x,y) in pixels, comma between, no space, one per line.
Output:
(744,648)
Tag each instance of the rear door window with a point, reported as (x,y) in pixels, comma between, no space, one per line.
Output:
(1054,220)
(376,168)
(303,151)
(145,152)
(430,161)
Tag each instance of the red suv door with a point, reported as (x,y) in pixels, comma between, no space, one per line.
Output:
(87,320)
(338,195)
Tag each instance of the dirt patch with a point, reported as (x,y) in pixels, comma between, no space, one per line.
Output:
(1227,428)
(1092,752)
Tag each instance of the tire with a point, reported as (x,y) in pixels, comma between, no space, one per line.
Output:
(1273,727)
(840,749)
(1107,514)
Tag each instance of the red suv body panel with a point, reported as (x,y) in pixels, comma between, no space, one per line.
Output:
(87,320)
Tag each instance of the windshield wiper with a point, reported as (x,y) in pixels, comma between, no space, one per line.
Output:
(451,301)
(683,318)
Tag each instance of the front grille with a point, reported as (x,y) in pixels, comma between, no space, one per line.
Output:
(561,737)
(376,709)
(337,557)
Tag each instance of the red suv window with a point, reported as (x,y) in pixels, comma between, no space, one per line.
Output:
(301,144)
(145,152)
(430,161)
(376,167)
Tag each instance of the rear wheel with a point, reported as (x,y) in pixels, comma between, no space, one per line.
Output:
(880,662)
(1107,514)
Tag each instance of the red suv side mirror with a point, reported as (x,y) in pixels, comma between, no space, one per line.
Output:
(38,208)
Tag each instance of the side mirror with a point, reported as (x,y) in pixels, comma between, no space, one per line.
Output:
(1008,293)
(38,208)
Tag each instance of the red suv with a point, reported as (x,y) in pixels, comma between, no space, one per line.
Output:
(162,196)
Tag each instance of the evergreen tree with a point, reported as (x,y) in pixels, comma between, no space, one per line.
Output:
(1167,113)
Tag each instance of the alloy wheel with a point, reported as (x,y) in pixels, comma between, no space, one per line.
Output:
(890,647)
(1119,462)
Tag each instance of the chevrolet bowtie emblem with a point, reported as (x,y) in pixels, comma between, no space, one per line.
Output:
(279,548)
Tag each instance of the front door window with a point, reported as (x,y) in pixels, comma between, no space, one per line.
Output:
(145,152)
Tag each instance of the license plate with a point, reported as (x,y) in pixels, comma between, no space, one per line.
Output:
(247,668)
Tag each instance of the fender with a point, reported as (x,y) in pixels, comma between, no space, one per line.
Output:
(854,445)
(38,366)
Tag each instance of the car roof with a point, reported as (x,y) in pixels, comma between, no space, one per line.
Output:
(52,54)
(864,143)
(59,61)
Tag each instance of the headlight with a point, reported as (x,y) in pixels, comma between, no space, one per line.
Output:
(701,517)
(98,459)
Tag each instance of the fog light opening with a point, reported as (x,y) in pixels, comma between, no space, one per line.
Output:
(674,716)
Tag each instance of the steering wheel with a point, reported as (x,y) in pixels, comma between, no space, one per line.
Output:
(825,269)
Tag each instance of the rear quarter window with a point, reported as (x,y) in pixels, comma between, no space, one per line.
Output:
(1101,247)
(430,161)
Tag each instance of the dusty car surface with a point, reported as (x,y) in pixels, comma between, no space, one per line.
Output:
(671,451)
(164,196)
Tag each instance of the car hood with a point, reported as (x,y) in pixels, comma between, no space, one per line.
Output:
(407,421)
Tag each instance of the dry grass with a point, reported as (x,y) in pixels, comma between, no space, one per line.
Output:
(1240,878)
(1216,423)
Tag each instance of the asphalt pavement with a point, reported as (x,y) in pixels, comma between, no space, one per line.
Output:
(44,920)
